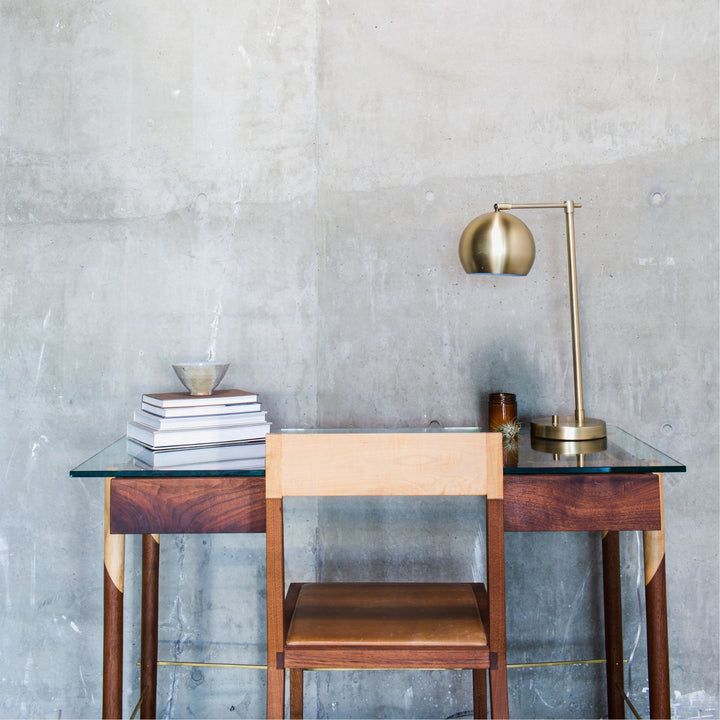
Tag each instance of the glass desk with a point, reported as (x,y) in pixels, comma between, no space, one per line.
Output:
(609,486)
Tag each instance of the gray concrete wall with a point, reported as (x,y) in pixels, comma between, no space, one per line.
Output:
(283,184)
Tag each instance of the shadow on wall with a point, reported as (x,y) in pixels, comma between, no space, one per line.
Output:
(505,367)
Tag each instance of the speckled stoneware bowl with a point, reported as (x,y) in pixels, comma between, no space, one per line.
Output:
(201,378)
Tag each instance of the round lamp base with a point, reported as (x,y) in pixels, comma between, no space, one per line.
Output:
(566,427)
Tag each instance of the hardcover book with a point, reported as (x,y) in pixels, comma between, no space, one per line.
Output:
(199,410)
(242,464)
(185,399)
(156,422)
(207,454)
(195,436)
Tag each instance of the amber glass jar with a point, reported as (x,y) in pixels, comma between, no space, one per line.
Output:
(502,409)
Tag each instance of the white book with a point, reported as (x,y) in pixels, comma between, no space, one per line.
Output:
(200,421)
(185,399)
(200,410)
(195,436)
(240,464)
(196,455)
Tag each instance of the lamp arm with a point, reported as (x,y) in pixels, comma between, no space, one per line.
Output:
(528,206)
(569,207)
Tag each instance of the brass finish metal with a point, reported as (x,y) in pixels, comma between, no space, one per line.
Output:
(189,663)
(559,663)
(568,429)
(567,447)
(499,243)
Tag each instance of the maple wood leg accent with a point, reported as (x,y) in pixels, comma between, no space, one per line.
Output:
(612,601)
(656,619)
(479,694)
(296,693)
(149,625)
(113,586)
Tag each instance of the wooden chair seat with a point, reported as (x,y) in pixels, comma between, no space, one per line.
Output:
(388,616)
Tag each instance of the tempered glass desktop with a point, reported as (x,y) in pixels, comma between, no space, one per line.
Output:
(623,453)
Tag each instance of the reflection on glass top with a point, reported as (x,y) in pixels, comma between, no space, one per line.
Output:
(620,452)
(114,461)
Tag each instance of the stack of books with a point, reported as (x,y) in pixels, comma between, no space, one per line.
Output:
(225,430)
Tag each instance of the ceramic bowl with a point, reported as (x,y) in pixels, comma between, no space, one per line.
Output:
(201,378)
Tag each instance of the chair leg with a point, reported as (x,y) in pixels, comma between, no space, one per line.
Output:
(499,706)
(479,694)
(275,694)
(296,693)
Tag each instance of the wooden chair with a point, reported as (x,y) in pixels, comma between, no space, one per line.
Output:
(385,625)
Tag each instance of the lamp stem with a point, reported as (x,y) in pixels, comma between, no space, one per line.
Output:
(566,427)
(574,315)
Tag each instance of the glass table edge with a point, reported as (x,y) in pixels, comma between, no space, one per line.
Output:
(145,472)
(660,467)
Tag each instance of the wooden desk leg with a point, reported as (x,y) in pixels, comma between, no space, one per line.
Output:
(613,624)
(656,618)
(149,625)
(275,581)
(112,616)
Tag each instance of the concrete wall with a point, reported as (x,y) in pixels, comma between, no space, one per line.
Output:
(283,184)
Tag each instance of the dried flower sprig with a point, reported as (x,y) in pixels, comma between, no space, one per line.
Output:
(510,429)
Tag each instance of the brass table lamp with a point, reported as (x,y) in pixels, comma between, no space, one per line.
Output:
(498,243)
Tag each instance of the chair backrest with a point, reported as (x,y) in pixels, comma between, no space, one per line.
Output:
(382,463)
(338,463)
(321,464)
